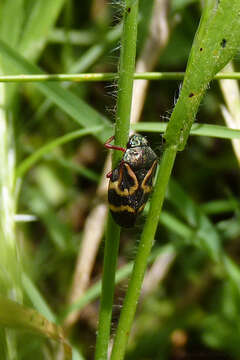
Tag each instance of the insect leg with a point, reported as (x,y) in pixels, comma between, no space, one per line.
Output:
(114,147)
(109,174)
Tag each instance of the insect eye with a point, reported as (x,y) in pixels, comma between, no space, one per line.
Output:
(137,140)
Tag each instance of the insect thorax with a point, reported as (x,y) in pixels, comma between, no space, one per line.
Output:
(139,157)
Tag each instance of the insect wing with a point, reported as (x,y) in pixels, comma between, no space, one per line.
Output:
(146,187)
(121,194)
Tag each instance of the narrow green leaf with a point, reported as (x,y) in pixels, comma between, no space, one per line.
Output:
(215,131)
(36,298)
(40,21)
(37,155)
(74,37)
(215,44)
(77,168)
(16,316)
(10,30)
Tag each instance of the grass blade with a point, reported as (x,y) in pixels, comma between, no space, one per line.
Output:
(215,131)
(37,155)
(216,42)
(16,316)
(40,20)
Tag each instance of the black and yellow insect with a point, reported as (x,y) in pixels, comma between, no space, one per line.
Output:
(131,182)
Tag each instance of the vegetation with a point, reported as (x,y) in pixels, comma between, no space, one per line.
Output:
(66,78)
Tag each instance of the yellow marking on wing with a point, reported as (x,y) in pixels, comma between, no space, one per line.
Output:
(141,208)
(115,185)
(147,188)
(121,208)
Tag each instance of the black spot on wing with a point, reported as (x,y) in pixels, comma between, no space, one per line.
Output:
(115,174)
(223,43)
(127,180)
(140,174)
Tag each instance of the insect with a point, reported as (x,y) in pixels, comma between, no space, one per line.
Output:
(131,182)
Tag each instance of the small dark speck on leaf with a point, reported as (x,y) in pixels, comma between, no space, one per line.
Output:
(201,49)
(223,43)
(191,95)
(128,9)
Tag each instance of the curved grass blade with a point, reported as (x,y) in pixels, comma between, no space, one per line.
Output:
(37,155)
(16,316)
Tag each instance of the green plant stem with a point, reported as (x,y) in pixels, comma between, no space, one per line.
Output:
(126,73)
(124,102)
(94,291)
(144,249)
(198,74)
(94,77)
(217,131)
(108,283)
(180,76)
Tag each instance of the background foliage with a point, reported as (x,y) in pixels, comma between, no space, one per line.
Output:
(188,308)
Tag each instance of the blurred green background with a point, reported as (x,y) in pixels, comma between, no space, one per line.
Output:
(192,310)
